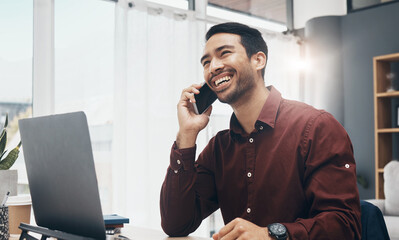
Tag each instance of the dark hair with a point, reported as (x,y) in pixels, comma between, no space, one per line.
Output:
(251,38)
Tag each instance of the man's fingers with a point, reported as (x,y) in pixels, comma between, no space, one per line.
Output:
(228,228)
(240,229)
(244,236)
(188,93)
(187,96)
(192,89)
(215,236)
(235,233)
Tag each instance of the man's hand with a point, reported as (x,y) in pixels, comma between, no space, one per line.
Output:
(241,229)
(190,123)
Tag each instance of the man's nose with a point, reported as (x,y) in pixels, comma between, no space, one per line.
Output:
(216,66)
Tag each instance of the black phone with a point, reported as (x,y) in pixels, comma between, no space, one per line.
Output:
(204,99)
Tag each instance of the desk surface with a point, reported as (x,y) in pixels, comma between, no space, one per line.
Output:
(149,234)
(137,233)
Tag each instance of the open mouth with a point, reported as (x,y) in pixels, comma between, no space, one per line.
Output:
(222,80)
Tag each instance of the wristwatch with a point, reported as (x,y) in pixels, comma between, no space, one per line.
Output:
(277,231)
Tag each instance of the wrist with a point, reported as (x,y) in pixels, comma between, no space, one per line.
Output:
(186,139)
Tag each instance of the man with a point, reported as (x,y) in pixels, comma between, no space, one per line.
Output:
(283,170)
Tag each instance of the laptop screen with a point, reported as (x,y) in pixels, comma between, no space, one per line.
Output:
(61,174)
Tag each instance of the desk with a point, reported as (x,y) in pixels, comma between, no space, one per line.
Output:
(137,233)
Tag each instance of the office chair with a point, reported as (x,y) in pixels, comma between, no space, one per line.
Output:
(373,224)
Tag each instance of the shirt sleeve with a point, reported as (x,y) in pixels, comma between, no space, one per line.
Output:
(188,193)
(329,183)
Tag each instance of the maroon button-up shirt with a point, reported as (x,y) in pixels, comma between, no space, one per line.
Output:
(296,168)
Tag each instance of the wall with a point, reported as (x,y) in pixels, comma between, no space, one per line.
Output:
(324,82)
(307,9)
(363,35)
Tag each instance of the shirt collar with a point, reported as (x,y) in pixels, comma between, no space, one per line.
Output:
(267,116)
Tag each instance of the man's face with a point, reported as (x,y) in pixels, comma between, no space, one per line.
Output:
(227,68)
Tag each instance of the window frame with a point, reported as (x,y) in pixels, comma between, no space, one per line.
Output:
(351,9)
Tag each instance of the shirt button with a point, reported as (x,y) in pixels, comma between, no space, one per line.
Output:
(249,174)
(251,140)
(176,171)
(261,128)
(347,165)
(178,162)
(248,210)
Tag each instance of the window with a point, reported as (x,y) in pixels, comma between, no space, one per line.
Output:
(224,11)
(272,10)
(84,75)
(354,5)
(16,26)
(179,4)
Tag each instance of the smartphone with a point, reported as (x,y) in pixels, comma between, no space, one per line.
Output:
(204,99)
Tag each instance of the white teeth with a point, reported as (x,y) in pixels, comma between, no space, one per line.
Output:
(223,79)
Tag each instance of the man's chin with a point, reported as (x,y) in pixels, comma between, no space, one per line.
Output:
(228,99)
(223,101)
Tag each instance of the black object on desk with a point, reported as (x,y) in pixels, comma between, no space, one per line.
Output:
(112,222)
(46,233)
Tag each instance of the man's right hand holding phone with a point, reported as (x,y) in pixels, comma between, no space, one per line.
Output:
(190,124)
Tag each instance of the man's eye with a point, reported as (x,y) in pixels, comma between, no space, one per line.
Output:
(225,52)
(205,63)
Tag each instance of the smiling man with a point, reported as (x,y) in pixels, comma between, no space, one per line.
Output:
(283,170)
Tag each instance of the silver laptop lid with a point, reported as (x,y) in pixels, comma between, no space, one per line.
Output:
(61,174)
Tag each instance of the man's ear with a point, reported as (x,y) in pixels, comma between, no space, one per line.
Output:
(259,59)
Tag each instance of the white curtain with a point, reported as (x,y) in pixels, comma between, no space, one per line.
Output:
(156,57)
(157,52)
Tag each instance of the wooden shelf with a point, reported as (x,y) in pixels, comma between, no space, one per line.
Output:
(388,94)
(388,130)
(389,57)
(383,113)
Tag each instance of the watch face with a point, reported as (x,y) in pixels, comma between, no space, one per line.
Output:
(278,230)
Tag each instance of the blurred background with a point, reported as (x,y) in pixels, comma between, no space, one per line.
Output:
(124,63)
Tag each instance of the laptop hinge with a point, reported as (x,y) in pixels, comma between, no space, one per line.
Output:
(46,233)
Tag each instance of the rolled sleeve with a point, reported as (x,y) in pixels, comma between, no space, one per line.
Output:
(329,184)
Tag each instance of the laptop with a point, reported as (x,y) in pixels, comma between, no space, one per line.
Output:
(62,178)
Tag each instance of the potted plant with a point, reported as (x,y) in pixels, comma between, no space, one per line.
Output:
(8,178)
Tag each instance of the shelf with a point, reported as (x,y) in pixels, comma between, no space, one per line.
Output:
(390,57)
(388,94)
(385,104)
(388,130)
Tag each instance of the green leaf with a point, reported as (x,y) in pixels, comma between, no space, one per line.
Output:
(3,154)
(362,181)
(10,159)
(3,141)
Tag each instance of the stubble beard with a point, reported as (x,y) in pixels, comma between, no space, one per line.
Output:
(243,85)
